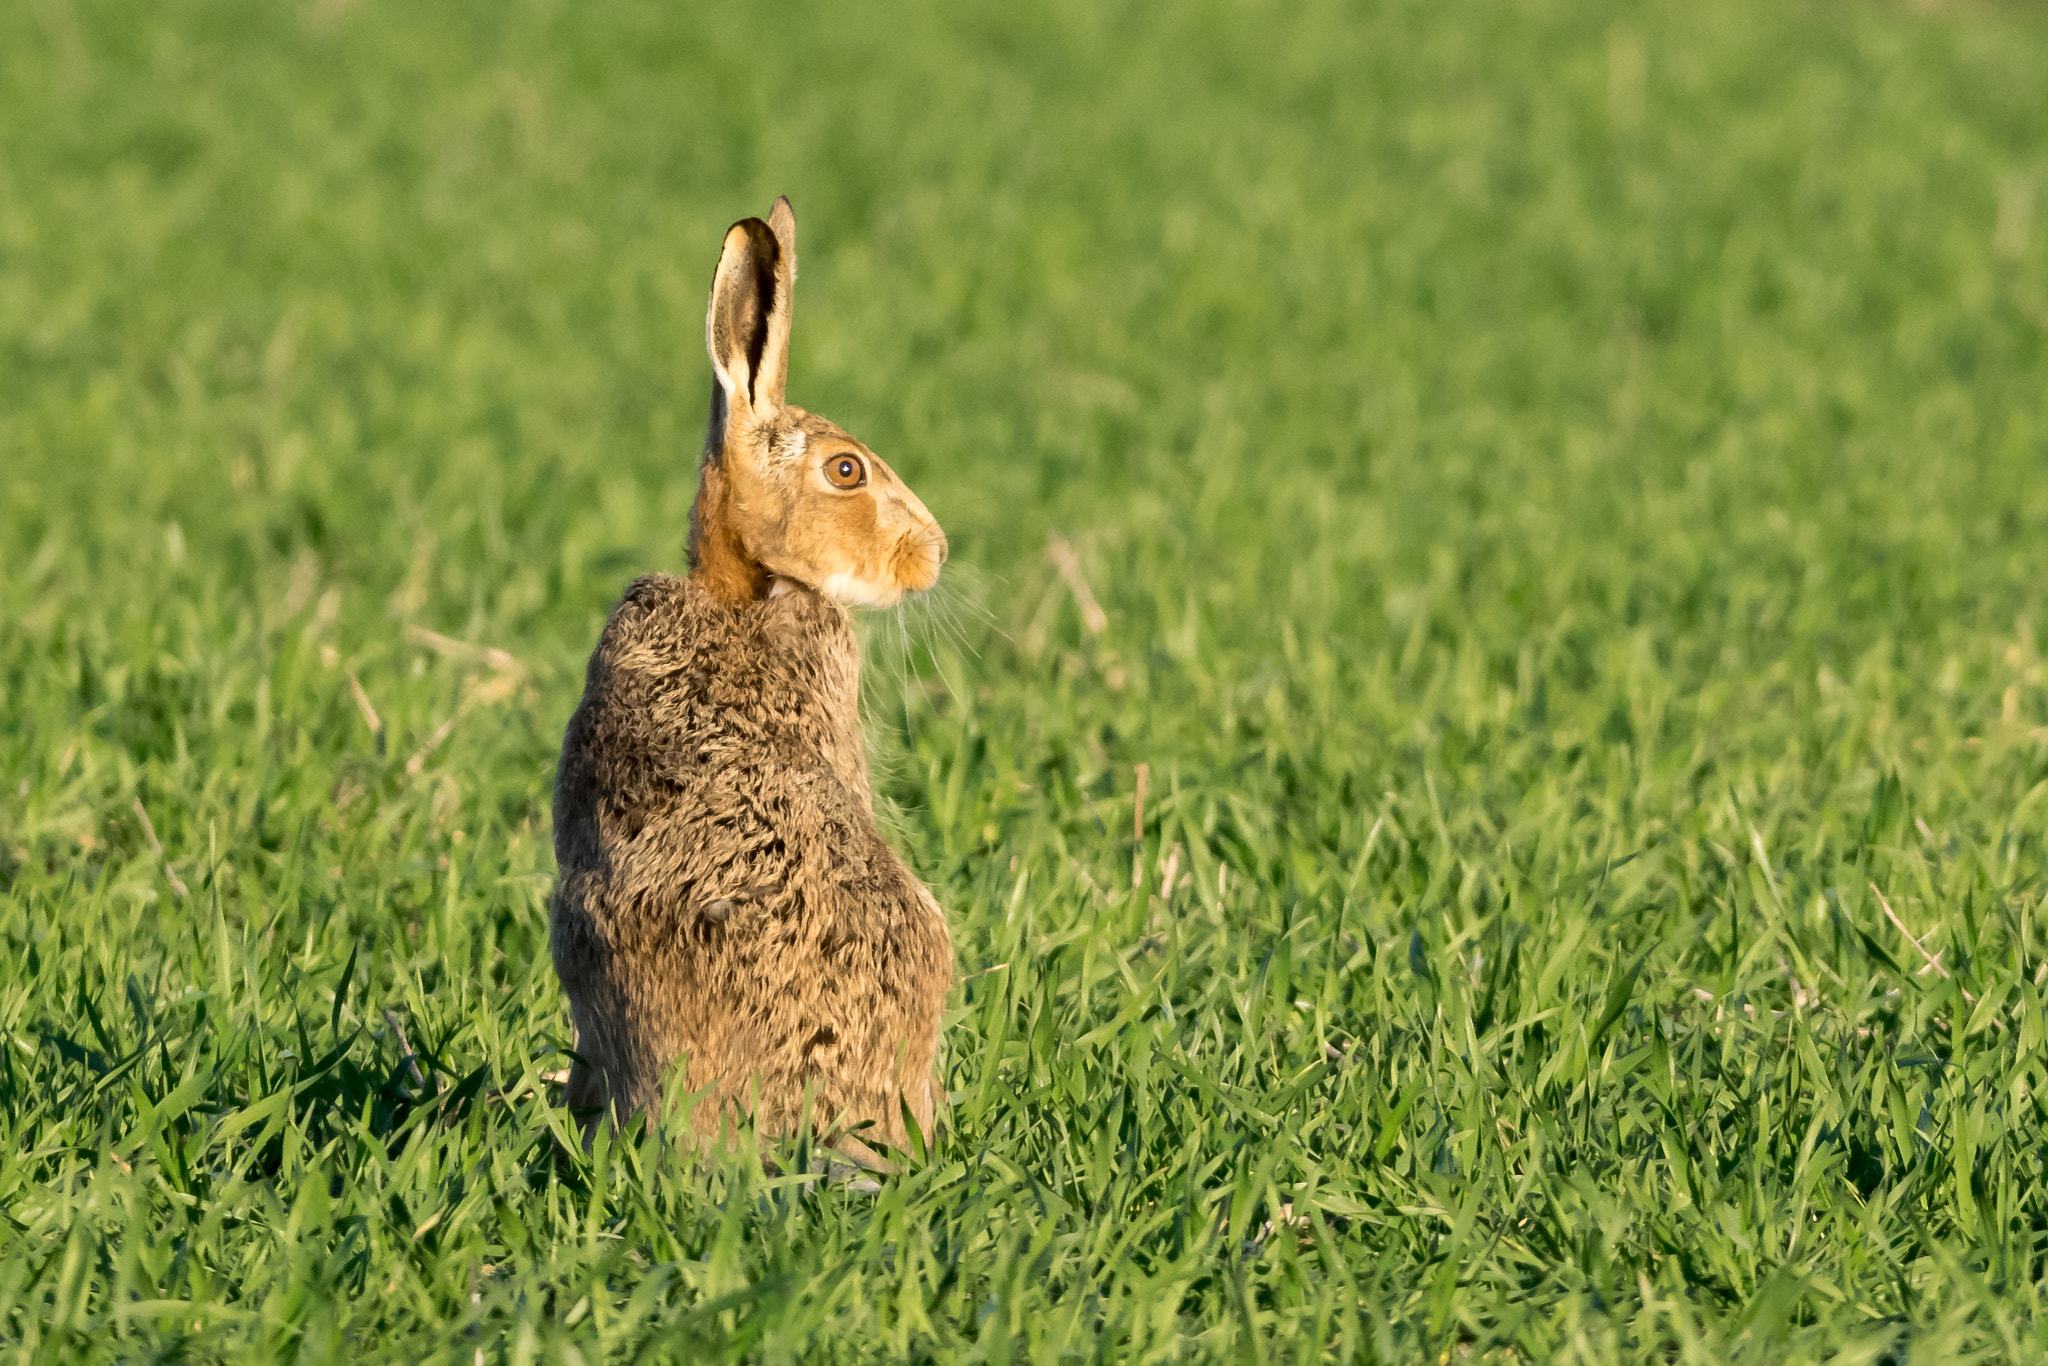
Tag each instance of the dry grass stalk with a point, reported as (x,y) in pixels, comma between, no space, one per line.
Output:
(412,1058)
(1069,565)
(369,713)
(1144,772)
(157,845)
(1933,960)
(506,676)
(501,660)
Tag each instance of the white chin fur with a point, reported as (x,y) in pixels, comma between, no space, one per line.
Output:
(851,590)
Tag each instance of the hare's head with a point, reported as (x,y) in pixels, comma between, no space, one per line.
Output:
(784,495)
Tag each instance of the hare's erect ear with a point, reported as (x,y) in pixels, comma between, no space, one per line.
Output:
(746,328)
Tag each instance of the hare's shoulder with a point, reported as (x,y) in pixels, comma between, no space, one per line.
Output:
(662,619)
(660,614)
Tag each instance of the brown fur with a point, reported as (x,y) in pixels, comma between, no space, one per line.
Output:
(725,900)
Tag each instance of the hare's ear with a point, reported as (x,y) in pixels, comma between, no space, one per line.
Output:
(746,328)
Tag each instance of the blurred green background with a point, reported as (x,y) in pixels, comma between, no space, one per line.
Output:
(1564,489)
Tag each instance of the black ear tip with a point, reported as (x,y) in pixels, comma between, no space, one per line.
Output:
(761,237)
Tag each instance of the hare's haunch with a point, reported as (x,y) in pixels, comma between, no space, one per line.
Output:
(724,898)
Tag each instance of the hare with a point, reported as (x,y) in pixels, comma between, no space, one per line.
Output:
(724,899)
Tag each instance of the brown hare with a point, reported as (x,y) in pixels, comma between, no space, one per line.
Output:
(725,900)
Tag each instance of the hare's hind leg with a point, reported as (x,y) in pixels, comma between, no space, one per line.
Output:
(583,1094)
(928,1105)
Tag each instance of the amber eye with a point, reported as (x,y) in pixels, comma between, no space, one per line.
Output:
(846,472)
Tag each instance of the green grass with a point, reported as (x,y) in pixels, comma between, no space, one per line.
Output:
(1567,484)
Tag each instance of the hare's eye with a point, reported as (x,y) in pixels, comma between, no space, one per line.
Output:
(846,472)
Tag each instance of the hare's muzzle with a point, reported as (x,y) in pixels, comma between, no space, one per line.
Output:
(918,557)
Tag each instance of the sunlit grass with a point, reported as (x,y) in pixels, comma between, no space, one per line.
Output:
(1552,496)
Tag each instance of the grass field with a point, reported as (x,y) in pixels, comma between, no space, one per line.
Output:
(1565,487)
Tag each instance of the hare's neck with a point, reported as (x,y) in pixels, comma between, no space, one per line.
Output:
(847,752)
(718,558)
